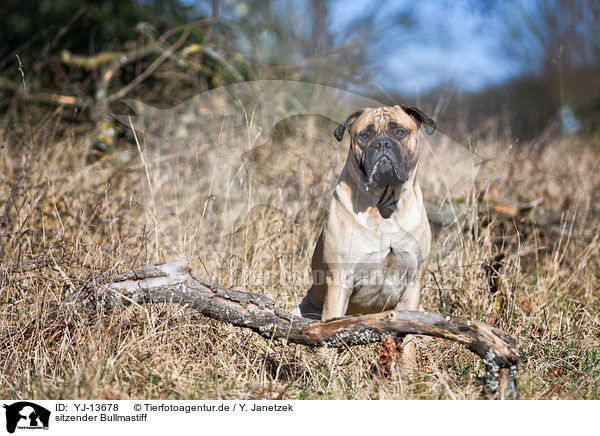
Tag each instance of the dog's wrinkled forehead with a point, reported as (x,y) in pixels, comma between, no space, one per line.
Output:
(380,117)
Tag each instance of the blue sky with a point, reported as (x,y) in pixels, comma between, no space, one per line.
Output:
(452,42)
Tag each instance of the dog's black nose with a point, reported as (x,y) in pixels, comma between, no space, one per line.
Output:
(383,143)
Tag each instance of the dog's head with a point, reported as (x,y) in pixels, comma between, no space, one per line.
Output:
(384,142)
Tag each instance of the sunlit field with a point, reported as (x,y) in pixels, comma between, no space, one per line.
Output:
(518,251)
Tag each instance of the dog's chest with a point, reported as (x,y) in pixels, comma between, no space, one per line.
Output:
(382,275)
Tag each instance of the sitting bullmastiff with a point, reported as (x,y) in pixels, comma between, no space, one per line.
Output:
(371,254)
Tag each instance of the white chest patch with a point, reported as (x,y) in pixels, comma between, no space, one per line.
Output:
(380,280)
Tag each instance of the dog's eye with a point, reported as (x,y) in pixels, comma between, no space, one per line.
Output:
(364,136)
(400,133)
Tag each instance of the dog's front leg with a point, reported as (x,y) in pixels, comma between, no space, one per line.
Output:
(410,301)
(339,289)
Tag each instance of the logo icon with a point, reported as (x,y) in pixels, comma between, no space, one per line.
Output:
(26,415)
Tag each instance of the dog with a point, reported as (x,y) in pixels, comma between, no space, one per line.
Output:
(372,252)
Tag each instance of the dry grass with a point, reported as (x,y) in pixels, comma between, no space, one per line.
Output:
(64,221)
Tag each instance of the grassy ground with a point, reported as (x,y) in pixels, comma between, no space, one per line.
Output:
(66,218)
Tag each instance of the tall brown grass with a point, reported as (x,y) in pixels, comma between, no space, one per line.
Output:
(66,220)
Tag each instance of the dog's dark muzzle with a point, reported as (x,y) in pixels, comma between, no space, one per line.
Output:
(385,164)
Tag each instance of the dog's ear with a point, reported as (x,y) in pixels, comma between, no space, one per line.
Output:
(346,124)
(420,117)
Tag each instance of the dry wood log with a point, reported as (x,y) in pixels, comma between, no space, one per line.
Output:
(43,97)
(447,214)
(173,282)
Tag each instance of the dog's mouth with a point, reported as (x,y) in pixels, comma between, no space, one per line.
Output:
(382,174)
(384,169)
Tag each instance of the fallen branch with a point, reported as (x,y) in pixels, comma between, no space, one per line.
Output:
(172,282)
(449,213)
(90,63)
(43,97)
